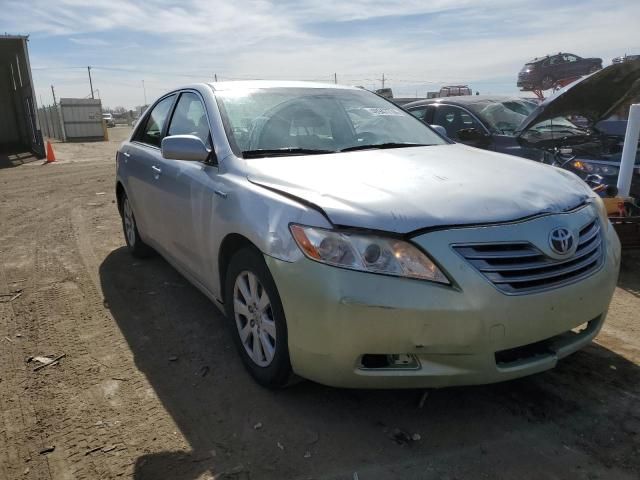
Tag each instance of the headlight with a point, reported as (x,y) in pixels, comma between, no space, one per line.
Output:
(366,253)
(595,168)
(602,210)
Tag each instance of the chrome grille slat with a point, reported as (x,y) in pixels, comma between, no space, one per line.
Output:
(592,230)
(520,268)
(480,255)
(497,278)
(546,262)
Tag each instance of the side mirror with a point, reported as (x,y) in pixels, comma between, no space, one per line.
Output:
(470,135)
(440,129)
(184,147)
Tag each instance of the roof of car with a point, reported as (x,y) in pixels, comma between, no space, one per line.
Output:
(466,100)
(252,84)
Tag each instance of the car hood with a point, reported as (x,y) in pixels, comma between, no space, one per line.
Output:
(407,189)
(594,97)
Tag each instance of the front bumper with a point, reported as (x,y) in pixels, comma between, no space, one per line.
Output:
(335,316)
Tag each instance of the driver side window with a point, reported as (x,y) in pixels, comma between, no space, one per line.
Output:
(454,119)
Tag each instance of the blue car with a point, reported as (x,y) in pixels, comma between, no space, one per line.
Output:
(572,129)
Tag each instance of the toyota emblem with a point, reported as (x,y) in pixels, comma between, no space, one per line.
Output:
(561,240)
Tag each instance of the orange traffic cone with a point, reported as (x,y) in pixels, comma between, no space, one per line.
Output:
(51,157)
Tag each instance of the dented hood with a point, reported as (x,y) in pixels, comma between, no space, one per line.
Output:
(595,97)
(407,189)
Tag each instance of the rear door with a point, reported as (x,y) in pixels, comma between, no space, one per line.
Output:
(144,164)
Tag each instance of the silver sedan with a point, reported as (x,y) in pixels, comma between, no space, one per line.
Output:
(350,244)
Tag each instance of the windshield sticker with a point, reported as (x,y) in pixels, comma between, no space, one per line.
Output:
(380,112)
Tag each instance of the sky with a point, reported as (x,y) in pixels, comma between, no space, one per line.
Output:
(418,45)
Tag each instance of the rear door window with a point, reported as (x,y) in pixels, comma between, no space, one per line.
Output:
(152,132)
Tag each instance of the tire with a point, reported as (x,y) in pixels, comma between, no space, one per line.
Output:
(547,82)
(258,324)
(130,229)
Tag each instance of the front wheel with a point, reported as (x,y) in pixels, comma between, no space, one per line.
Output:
(259,327)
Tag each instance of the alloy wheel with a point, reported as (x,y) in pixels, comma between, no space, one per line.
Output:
(254,318)
(129,223)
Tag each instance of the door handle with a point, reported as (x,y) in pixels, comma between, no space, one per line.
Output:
(157,170)
(126,154)
(220,193)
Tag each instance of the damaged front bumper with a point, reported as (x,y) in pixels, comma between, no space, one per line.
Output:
(355,329)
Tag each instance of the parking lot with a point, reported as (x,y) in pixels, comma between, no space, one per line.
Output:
(150,386)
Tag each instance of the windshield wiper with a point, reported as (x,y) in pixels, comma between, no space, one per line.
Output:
(385,145)
(266,152)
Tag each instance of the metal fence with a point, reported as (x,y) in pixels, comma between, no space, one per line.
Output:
(50,122)
(73,119)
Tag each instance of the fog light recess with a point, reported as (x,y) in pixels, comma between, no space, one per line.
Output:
(389,361)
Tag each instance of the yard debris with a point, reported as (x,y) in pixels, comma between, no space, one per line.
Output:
(280,446)
(204,371)
(355,476)
(120,379)
(307,454)
(257,426)
(14,295)
(109,449)
(8,339)
(612,367)
(93,450)
(46,450)
(416,437)
(173,358)
(52,362)
(423,399)
(100,193)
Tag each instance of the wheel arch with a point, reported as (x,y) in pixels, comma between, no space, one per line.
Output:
(120,192)
(231,244)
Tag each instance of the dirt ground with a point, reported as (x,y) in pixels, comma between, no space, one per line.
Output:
(150,386)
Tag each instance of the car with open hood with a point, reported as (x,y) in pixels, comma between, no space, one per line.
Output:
(571,129)
(350,244)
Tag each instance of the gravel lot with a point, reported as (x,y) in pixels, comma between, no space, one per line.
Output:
(151,388)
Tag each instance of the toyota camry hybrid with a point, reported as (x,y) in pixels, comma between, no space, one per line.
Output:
(351,244)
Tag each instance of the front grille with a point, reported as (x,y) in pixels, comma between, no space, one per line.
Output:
(519,267)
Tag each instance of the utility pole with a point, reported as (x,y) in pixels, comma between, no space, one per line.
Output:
(53,92)
(383,80)
(90,82)
(335,78)
(215,77)
(145,93)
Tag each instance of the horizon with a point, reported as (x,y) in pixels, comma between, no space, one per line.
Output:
(126,44)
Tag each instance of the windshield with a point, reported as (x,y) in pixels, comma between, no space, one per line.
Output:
(316,120)
(503,116)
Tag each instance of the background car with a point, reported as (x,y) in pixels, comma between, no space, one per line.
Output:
(108,118)
(454,91)
(543,73)
(563,130)
(625,58)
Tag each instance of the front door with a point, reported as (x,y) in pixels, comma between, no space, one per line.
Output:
(190,193)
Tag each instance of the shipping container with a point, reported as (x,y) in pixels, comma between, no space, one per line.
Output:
(19,127)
